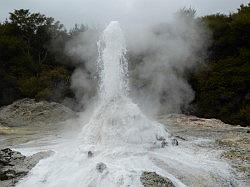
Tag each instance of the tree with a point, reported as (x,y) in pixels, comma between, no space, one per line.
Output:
(26,54)
(222,89)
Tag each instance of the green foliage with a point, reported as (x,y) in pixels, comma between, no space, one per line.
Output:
(222,87)
(28,67)
(48,84)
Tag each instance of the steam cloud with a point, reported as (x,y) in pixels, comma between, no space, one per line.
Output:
(166,53)
(83,50)
(159,54)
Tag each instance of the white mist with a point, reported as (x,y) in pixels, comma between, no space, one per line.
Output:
(122,138)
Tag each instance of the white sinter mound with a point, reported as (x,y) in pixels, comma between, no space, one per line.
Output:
(119,142)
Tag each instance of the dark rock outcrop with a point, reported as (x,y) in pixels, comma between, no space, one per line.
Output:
(14,165)
(90,154)
(174,142)
(101,167)
(152,179)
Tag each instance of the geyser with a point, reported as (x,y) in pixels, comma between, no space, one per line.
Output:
(117,120)
(119,142)
(112,64)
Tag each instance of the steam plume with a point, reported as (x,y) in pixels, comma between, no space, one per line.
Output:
(160,54)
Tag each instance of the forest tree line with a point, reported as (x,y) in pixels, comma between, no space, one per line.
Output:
(33,63)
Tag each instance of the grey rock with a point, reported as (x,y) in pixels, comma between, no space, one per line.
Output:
(152,179)
(101,167)
(162,140)
(90,154)
(174,142)
(14,165)
(29,112)
(164,143)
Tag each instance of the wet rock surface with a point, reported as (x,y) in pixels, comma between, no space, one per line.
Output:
(232,141)
(174,142)
(152,179)
(101,167)
(14,165)
(162,141)
(90,154)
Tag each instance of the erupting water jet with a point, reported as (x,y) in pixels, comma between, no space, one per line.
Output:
(119,142)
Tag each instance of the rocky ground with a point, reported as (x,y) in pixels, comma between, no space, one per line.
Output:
(232,141)
(27,120)
(14,165)
(27,112)
(21,122)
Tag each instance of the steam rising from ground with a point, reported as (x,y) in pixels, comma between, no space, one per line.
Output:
(167,52)
(160,55)
(83,50)
(120,142)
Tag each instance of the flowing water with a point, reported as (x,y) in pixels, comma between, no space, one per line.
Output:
(119,142)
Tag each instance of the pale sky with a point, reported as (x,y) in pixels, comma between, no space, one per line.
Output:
(94,12)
